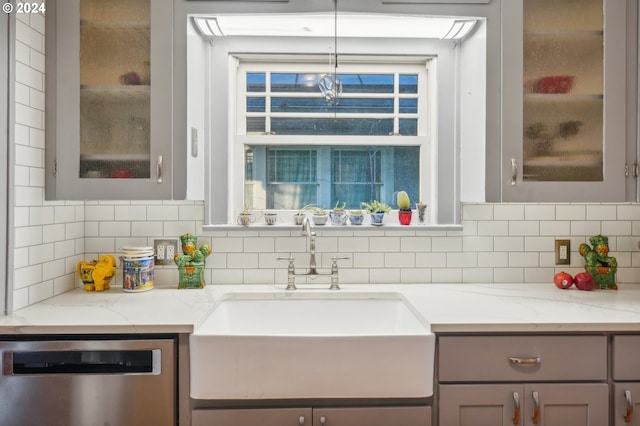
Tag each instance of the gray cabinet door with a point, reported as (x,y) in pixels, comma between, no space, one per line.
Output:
(372,416)
(109,118)
(626,405)
(480,405)
(566,404)
(571,404)
(252,417)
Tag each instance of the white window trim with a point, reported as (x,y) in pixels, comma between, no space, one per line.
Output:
(427,130)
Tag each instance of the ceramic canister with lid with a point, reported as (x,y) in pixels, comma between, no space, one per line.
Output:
(137,268)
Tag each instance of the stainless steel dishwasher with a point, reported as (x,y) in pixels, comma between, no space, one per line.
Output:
(101,381)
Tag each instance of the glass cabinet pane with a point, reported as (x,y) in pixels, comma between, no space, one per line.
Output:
(115,89)
(563,90)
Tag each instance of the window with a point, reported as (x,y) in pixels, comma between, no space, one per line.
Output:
(300,148)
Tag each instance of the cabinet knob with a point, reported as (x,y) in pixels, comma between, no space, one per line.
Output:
(301,420)
(323,421)
(629,413)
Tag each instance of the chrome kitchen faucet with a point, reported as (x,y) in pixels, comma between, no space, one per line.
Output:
(312,272)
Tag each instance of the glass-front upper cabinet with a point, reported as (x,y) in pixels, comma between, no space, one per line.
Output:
(564,100)
(109,103)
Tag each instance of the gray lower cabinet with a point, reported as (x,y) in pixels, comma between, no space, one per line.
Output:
(583,404)
(626,376)
(305,416)
(523,380)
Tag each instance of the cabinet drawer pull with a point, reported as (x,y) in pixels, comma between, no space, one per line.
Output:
(629,414)
(525,361)
(516,409)
(536,408)
(323,421)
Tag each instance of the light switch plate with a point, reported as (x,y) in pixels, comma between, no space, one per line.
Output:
(563,252)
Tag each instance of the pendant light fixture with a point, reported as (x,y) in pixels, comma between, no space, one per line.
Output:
(330,85)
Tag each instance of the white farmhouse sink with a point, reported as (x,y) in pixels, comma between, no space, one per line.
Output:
(312,345)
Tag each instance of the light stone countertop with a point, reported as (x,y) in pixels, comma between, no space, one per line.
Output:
(455,308)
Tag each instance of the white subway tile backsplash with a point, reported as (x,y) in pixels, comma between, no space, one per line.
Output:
(477,244)
(601,212)
(524,227)
(99,213)
(115,229)
(29,77)
(493,228)
(506,243)
(22,176)
(539,212)
(478,212)
(53,269)
(41,254)
(53,233)
(41,215)
(28,236)
(619,227)
(539,244)
(28,35)
(164,213)
(477,275)
(385,244)
(555,228)
(570,212)
(493,259)
(462,260)
(40,291)
(399,260)
(446,275)
(508,212)
(583,227)
(100,245)
(368,260)
(523,259)
(36,177)
(146,229)
(385,276)
(291,244)
(28,196)
(508,275)
(446,244)
(24,277)
(628,212)
(66,248)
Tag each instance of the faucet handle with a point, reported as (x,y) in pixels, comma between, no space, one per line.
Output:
(335,259)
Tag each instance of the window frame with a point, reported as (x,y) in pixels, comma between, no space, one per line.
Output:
(405,64)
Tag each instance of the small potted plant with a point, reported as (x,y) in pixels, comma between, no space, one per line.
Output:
(377,210)
(356,217)
(338,215)
(404,208)
(318,214)
(299,215)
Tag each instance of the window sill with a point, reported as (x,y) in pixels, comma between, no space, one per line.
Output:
(336,228)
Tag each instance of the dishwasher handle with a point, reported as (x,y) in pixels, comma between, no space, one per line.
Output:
(40,362)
